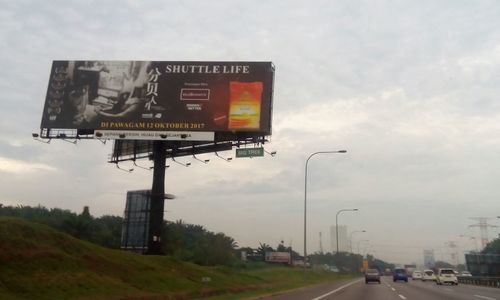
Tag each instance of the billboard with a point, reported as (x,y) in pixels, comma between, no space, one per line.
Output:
(141,97)
(278,257)
(135,225)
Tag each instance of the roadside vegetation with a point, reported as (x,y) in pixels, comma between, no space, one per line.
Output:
(40,262)
(493,247)
(186,242)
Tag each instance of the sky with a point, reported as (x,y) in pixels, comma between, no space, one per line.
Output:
(409,88)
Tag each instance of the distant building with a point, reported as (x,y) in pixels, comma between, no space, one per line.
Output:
(429,260)
(343,240)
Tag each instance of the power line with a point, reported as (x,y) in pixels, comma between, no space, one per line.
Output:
(483,228)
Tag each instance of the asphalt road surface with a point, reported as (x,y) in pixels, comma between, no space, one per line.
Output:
(388,290)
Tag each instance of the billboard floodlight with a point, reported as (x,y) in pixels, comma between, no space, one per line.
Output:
(36,137)
(272,153)
(185,165)
(64,137)
(205,161)
(98,136)
(125,170)
(141,167)
(169,196)
(226,159)
(72,142)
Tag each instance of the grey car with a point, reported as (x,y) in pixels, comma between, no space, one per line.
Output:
(372,275)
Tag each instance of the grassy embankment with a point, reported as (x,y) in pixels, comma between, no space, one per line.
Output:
(37,262)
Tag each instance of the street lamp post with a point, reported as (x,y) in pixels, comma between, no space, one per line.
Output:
(471,238)
(350,237)
(337,226)
(366,249)
(305,199)
(337,258)
(498,217)
(359,242)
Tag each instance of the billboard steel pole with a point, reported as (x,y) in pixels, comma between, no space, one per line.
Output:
(157,198)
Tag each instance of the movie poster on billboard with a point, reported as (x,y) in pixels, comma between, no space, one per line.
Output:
(160,96)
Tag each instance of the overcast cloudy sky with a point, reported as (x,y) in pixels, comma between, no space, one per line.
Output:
(409,88)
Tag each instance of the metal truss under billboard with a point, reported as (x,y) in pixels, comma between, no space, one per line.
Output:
(132,150)
(159,96)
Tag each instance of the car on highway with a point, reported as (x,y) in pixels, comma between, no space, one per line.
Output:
(416,275)
(399,274)
(428,275)
(465,274)
(446,275)
(372,275)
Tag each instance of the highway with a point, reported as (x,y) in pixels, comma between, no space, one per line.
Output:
(389,290)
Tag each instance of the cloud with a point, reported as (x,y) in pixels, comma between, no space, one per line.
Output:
(21,167)
(410,90)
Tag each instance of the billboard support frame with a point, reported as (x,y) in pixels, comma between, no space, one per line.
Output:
(157,198)
(92,100)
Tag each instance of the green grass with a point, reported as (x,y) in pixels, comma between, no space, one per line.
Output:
(281,279)
(37,262)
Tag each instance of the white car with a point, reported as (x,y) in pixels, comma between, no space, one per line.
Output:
(428,275)
(446,276)
(416,275)
(465,274)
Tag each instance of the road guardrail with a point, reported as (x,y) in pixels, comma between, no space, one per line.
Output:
(480,280)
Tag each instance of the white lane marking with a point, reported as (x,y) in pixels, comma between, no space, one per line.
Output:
(393,289)
(401,296)
(484,297)
(336,290)
(447,289)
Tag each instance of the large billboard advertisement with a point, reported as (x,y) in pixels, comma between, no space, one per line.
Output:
(160,96)
(278,257)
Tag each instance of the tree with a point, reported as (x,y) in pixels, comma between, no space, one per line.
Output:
(186,242)
(108,231)
(263,248)
(461,267)
(378,263)
(348,262)
(442,264)
(281,247)
(104,231)
(493,247)
(195,244)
